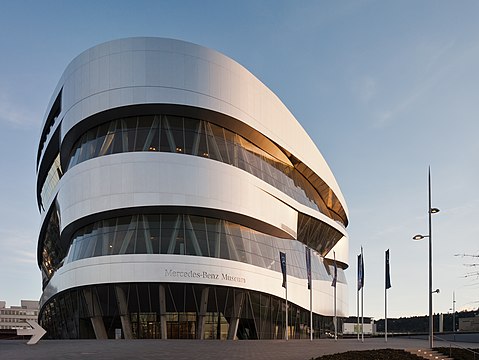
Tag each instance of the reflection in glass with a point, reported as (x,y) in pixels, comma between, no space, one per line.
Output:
(183,135)
(52,251)
(51,181)
(182,234)
(260,316)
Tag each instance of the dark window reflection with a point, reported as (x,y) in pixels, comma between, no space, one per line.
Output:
(53,253)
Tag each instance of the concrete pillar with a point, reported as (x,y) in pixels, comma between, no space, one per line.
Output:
(163,328)
(234,321)
(95,314)
(123,310)
(202,314)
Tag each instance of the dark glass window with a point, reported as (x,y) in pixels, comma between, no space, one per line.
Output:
(53,252)
(261,316)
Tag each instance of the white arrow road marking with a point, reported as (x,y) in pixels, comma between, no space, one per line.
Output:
(37,332)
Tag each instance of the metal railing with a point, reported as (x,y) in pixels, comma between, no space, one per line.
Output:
(451,343)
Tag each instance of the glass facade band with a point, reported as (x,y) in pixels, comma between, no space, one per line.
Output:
(183,234)
(49,185)
(167,133)
(262,316)
(52,252)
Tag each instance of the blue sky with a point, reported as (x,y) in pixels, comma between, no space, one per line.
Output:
(385,89)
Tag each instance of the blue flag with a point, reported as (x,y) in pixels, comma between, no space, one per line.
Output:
(335,274)
(360,271)
(282,257)
(388,275)
(308,265)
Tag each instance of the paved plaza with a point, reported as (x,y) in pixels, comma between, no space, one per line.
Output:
(198,349)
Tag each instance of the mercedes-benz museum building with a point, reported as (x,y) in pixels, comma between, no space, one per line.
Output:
(169,179)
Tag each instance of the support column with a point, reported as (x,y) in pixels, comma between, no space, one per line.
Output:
(163,329)
(264,323)
(202,315)
(123,310)
(95,314)
(238,307)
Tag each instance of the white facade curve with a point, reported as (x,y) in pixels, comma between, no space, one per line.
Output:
(169,179)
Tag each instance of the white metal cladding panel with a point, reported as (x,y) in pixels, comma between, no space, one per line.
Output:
(155,70)
(196,270)
(167,179)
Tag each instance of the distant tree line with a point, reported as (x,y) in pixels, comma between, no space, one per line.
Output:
(420,324)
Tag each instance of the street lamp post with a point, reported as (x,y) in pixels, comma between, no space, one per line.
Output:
(454,314)
(431,211)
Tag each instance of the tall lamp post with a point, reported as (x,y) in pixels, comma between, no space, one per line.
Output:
(454,314)
(431,211)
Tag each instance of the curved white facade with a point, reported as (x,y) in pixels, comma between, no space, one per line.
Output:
(167,168)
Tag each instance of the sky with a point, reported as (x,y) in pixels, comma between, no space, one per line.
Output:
(385,89)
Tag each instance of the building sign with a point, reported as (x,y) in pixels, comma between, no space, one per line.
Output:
(204,275)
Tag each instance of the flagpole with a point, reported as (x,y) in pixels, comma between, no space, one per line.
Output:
(282,258)
(311,311)
(287,329)
(385,313)
(310,287)
(454,314)
(362,297)
(362,314)
(357,296)
(335,317)
(386,286)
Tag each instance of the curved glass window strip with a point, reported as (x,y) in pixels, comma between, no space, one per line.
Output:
(191,235)
(168,133)
(316,234)
(261,316)
(52,252)
(49,185)
(52,118)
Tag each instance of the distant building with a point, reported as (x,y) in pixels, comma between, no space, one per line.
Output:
(15,317)
(350,326)
(469,324)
